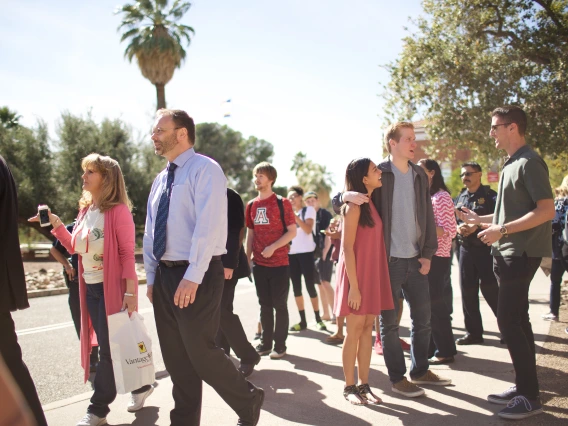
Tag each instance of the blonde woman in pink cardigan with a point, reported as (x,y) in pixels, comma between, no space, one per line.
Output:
(104,230)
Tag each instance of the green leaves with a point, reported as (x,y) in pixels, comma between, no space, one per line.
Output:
(156,38)
(236,155)
(469,56)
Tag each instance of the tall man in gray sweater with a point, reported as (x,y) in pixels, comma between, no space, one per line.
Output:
(410,239)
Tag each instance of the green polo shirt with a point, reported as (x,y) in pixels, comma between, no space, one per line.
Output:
(524,181)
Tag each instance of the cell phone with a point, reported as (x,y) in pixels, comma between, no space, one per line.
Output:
(459,207)
(43,215)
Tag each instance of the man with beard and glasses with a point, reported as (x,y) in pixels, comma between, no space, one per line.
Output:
(184,239)
(476,262)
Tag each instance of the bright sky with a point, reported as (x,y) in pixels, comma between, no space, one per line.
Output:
(302,74)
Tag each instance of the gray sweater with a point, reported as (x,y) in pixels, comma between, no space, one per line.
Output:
(382,198)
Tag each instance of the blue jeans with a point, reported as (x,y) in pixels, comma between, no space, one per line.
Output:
(407,281)
(558,269)
(105,387)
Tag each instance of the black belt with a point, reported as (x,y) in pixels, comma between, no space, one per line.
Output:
(174,263)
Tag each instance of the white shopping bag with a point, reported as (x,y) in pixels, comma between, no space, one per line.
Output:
(131,352)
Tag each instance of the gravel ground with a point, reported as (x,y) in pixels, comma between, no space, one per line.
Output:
(49,275)
(552,364)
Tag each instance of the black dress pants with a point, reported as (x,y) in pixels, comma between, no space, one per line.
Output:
(12,354)
(187,340)
(272,287)
(515,275)
(231,333)
(476,272)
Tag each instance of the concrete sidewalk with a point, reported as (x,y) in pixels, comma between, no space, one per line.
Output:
(306,386)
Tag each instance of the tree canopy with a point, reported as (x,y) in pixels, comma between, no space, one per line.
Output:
(467,57)
(236,155)
(50,171)
(313,177)
(156,39)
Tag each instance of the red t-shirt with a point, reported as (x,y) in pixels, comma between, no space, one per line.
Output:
(263,217)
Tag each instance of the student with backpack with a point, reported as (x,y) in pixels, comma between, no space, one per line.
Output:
(271,227)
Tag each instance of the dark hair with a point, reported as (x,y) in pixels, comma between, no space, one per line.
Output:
(266,169)
(181,120)
(512,114)
(356,171)
(475,166)
(297,189)
(437,179)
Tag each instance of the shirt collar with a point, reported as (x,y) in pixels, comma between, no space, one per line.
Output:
(183,157)
(517,154)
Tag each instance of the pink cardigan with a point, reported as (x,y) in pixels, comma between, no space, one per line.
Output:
(118,255)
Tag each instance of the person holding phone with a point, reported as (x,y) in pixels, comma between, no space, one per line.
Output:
(104,239)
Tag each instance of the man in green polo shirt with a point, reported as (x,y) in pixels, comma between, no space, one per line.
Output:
(520,234)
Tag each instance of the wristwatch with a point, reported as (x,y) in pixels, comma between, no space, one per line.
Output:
(503,231)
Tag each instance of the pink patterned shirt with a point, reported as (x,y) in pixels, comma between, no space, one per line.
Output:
(444,217)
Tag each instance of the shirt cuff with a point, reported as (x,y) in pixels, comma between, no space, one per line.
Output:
(150,277)
(193,275)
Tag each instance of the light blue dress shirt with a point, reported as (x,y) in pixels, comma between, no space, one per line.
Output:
(197,219)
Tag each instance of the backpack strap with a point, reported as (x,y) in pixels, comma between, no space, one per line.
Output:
(281,208)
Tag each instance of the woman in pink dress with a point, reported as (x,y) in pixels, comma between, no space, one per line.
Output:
(363,285)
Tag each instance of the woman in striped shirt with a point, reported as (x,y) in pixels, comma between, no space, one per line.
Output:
(442,344)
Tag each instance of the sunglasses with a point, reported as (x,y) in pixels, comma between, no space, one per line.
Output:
(468,174)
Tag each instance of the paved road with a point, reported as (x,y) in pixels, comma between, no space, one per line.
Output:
(303,388)
(51,347)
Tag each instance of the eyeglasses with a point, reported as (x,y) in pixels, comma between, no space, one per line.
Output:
(494,126)
(468,174)
(158,130)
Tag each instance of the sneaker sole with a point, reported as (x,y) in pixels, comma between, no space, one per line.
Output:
(133,409)
(512,416)
(409,394)
(440,383)
(277,356)
(262,353)
(499,401)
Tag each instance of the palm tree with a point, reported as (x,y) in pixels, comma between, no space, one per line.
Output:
(156,39)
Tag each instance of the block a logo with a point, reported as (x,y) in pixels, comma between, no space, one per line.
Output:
(261,217)
(142,347)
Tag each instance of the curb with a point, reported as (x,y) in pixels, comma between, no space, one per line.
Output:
(32,294)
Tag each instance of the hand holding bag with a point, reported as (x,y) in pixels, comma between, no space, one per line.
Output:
(131,351)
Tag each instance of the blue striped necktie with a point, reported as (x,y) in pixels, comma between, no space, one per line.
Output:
(162,216)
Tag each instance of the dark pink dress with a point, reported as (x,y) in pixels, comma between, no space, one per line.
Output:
(372,272)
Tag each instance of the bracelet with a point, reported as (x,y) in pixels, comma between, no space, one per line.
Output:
(129,294)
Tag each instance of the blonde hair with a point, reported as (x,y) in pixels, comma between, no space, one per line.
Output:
(562,190)
(113,191)
(393,132)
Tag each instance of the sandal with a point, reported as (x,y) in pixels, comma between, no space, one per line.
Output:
(367,394)
(336,340)
(353,390)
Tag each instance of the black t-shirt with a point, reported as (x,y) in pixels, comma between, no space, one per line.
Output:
(323,219)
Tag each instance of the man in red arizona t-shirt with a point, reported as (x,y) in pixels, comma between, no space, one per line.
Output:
(267,245)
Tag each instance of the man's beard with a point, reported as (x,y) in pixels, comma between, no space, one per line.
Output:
(167,145)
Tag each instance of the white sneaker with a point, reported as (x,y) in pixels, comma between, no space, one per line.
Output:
(92,420)
(137,400)
(277,354)
(549,317)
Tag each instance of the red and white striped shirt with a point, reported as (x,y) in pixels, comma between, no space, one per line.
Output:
(444,217)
